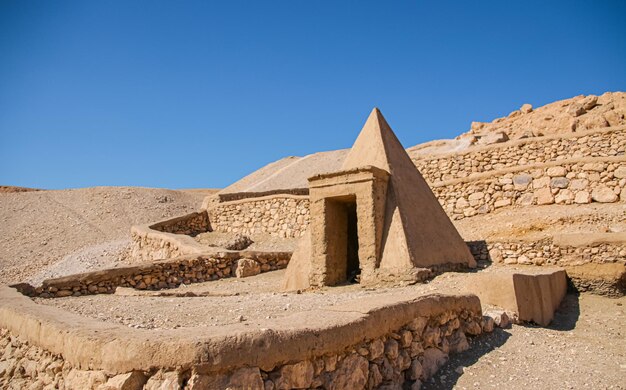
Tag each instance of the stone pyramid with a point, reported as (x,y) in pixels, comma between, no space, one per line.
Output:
(417,231)
(403,232)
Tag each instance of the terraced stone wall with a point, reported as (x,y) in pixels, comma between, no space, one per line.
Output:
(577,181)
(602,143)
(279,215)
(572,168)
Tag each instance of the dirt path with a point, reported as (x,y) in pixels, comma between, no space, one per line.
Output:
(584,348)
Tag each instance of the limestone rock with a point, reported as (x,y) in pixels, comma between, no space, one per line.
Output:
(589,102)
(582,197)
(78,379)
(603,194)
(352,373)
(434,359)
(493,138)
(556,171)
(526,108)
(130,381)
(377,348)
(544,196)
(559,182)
(246,378)
(391,349)
(620,172)
(164,381)
(522,181)
(247,267)
(295,376)
(495,255)
(488,324)
(502,203)
(415,370)
(564,197)
(500,318)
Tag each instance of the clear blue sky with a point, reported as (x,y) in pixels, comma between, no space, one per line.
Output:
(199,93)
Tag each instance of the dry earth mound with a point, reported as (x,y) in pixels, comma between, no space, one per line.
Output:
(77,230)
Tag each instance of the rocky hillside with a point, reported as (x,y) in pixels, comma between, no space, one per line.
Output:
(561,117)
(576,114)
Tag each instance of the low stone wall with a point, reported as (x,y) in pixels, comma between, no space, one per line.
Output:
(279,215)
(576,181)
(391,341)
(598,143)
(158,275)
(595,265)
(190,224)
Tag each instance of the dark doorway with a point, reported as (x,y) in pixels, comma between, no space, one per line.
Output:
(342,249)
(353,270)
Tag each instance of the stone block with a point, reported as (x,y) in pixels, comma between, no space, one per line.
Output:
(533,294)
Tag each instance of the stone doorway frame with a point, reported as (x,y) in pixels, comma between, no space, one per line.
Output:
(367,187)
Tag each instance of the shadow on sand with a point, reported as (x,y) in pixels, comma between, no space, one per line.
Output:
(565,318)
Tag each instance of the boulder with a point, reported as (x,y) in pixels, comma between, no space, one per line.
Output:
(247,267)
(492,138)
(526,108)
(130,381)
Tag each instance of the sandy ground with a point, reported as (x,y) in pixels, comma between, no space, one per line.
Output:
(39,229)
(225,301)
(583,348)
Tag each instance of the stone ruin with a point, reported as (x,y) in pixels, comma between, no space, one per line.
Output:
(379,215)
(374,220)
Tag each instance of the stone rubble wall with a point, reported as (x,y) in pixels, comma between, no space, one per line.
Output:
(158,275)
(190,224)
(575,182)
(610,257)
(603,143)
(407,355)
(517,173)
(279,215)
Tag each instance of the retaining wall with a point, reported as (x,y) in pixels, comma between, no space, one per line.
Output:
(280,215)
(157,275)
(610,142)
(391,340)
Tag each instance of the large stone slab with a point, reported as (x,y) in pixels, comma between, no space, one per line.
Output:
(534,294)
